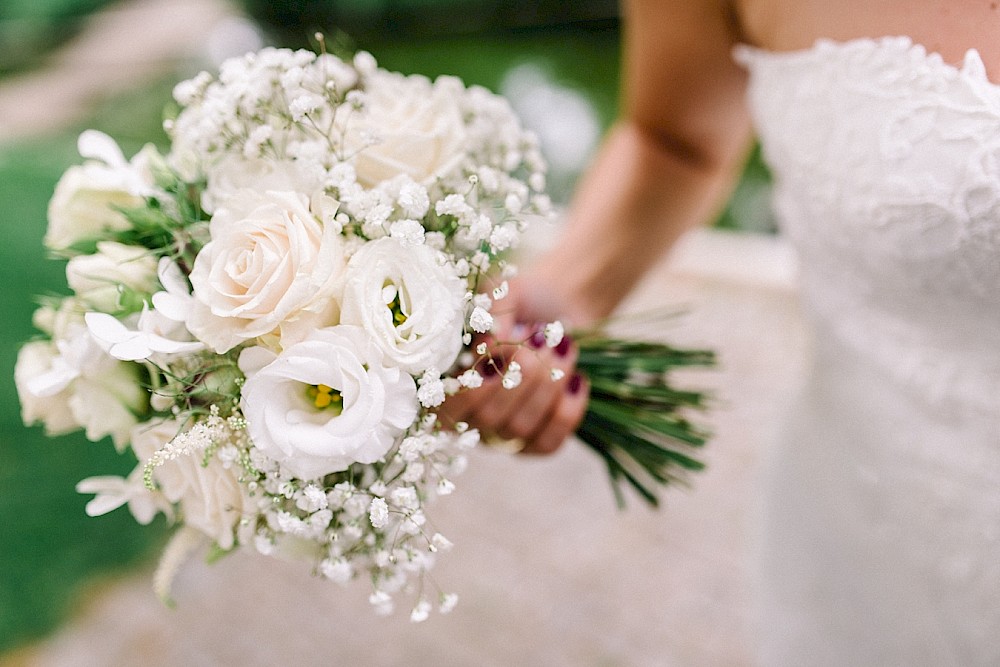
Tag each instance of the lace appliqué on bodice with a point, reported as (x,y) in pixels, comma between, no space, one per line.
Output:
(887,179)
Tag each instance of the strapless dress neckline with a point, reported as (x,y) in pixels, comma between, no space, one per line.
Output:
(972,68)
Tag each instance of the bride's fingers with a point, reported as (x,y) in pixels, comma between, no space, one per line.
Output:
(563,420)
(532,413)
(464,405)
(534,394)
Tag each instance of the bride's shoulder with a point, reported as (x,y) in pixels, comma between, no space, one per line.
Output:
(947,27)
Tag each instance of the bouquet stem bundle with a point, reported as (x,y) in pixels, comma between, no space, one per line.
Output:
(637,420)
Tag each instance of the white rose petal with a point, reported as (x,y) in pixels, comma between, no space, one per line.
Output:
(271,265)
(419,125)
(230,177)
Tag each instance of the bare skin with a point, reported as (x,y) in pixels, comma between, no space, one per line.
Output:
(669,163)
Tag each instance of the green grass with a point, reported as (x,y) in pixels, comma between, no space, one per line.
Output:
(49,547)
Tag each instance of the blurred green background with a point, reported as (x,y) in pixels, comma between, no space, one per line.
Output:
(557,61)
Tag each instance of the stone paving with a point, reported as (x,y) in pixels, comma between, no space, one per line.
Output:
(548,571)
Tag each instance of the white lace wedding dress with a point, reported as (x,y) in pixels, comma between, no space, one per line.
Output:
(881,543)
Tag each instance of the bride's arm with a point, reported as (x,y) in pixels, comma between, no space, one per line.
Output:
(664,168)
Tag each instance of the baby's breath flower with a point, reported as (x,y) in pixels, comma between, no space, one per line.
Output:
(382,602)
(502,237)
(431,389)
(378,513)
(413,199)
(512,378)
(480,320)
(414,472)
(448,602)
(537,181)
(408,232)
(482,301)
(337,569)
(554,333)
(421,612)
(405,498)
(471,379)
(303,105)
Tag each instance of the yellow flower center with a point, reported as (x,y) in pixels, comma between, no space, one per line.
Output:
(394,304)
(325,398)
(398,317)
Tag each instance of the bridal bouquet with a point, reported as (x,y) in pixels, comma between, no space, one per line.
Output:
(268,315)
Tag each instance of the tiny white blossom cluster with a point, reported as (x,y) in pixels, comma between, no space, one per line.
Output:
(269,314)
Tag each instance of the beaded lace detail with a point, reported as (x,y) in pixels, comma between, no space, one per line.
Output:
(887,180)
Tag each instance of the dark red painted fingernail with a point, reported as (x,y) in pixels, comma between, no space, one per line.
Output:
(486,369)
(562,349)
(537,340)
(575,384)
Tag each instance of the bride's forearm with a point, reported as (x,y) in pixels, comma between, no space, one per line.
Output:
(640,195)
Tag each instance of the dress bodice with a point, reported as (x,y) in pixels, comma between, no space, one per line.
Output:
(886,162)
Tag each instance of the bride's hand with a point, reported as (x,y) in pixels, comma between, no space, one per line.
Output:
(549,402)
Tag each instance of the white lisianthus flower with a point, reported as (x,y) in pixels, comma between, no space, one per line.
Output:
(408,301)
(99,279)
(418,128)
(83,206)
(73,383)
(270,264)
(209,494)
(326,402)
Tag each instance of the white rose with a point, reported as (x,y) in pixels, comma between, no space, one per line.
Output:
(83,206)
(209,494)
(73,383)
(416,127)
(232,175)
(270,264)
(99,279)
(408,301)
(326,402)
